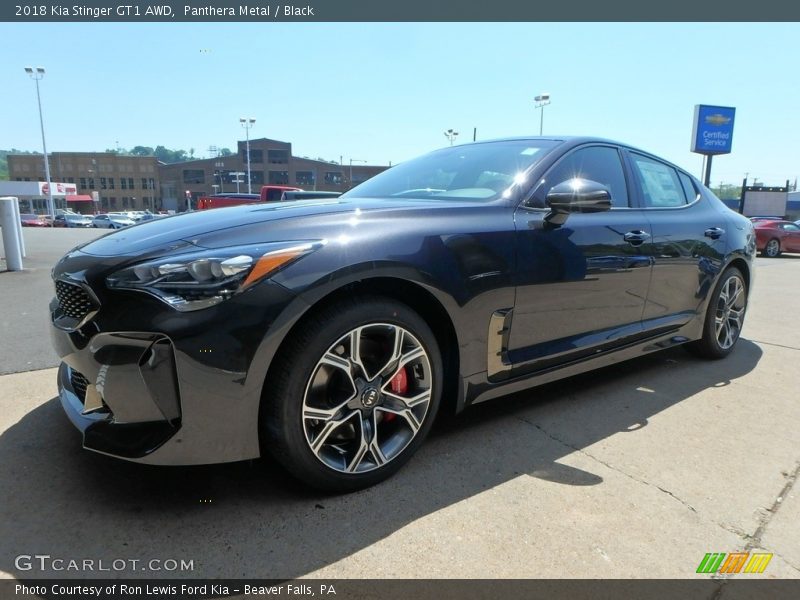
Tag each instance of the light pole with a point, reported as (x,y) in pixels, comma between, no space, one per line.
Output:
(542,100)
(352,160)
(36,74)
(451,134)
(247,123)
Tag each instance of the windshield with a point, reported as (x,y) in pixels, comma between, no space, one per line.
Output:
(479,172)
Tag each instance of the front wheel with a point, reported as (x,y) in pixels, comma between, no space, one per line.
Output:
(724,317)
(353,394)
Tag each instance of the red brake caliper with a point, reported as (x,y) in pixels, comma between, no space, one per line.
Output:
(399,385)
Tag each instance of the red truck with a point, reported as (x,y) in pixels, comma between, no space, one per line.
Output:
(269,193)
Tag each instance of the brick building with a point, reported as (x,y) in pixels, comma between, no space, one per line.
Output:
(122,182)
(126,182)
(271,162)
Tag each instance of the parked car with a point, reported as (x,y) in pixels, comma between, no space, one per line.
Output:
(330,334)
(146,215)
(72,220)
(111,221)
(32,220)
(777,236)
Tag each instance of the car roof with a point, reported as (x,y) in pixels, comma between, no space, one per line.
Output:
(572,141)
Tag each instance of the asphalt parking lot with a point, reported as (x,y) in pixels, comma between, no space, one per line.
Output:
(635,471)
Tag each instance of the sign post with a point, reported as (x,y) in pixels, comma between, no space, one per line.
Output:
(712,133)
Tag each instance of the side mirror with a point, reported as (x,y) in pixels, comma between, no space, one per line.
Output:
(578,196)
(575,196)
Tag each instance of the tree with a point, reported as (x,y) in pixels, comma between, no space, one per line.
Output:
(727,191)
(142,151)
(225,152)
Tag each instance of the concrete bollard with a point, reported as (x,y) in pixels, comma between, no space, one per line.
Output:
(11,233)
(18,218)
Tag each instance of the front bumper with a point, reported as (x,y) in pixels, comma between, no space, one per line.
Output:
(145,383)
(121,392)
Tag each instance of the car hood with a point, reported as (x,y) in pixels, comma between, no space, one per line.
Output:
(236,225)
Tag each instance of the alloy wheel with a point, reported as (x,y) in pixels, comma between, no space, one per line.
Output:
(367,398)
(773,248)
(729,316)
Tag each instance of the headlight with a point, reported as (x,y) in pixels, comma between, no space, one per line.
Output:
(204,278)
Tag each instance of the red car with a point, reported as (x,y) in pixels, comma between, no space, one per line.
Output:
(31,220)
(776,236)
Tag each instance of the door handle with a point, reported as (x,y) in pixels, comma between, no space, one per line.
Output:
(636,237)
(714,233)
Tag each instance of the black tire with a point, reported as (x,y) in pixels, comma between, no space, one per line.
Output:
(289,427)
(721,317)
(772,249)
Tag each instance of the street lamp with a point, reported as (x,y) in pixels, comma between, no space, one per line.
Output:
(451,134)
(36,74)
(542,100)
(352,160)
(247,123)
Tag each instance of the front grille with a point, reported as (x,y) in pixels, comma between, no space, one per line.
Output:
(79,383)
(73,300)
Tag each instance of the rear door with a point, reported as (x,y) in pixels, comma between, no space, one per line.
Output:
(688,244)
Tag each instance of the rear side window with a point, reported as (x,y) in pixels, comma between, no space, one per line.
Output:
(659,183)
(596,163)
(688,187)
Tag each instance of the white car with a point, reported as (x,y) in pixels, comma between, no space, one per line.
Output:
(111,221)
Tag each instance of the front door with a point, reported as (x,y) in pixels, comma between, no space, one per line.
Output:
(581,287)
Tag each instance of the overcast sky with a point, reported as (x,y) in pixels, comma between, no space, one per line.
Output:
(386,92)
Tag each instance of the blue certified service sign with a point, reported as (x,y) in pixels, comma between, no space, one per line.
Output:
(713,129)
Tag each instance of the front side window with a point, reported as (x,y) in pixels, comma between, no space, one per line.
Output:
(479,172)
(790,227)
(595,163)
(659,183)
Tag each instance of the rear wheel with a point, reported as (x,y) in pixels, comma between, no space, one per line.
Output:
(772,249)
(353,395)
(724,317)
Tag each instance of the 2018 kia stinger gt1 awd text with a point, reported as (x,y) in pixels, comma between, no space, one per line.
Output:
(330,332)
